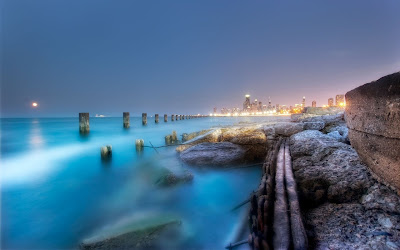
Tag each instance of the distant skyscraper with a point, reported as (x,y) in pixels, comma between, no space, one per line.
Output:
(330,102)
(278,108)
(314,104)
(259,106)
(340,100)
(303,103)
(269,104)
(215,110)
(246,104)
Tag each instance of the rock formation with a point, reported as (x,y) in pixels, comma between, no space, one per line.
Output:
(373,118)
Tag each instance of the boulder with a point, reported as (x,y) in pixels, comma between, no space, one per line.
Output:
(381,197)
(350,226)
(211,136)
(214,154)
(190,136)
(285,128)
(170,178)
(314,125)
(326,169)
(373,118)
(153,236)
(322,110)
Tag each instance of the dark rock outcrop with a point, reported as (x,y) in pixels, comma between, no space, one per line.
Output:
(373,118)
(214,154)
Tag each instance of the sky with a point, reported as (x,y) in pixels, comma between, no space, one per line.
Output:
(186,57)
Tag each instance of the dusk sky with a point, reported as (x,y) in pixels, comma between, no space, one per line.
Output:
(186,57)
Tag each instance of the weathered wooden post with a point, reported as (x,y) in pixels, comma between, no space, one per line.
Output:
(168,140)
(106,152)
(84,123)
(156,118)
(183,117)
(125,119)
(180,117)
(144,118)
(165,118)
(172,117)
(139,144)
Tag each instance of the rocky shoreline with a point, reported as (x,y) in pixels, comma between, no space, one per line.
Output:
(343,206)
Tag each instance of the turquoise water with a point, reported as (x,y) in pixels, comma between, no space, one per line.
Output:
(56,191)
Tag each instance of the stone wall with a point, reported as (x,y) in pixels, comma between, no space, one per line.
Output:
(373,119)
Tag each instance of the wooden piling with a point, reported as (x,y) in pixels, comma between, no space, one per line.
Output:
(176,117)
(106,152)
(165,118)
(125,119)
(84,123)
(183,117)
(156,118)
(144,118)
(172,117)
(139,144)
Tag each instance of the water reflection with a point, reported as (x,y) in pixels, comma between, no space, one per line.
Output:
(36,139)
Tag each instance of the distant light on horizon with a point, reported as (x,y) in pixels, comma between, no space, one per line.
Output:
(34,104)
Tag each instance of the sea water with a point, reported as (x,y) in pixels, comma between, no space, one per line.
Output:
(56,191)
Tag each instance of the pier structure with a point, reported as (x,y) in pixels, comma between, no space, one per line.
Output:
(165,118)
(275,216)
(84,123)
(125,119)
(156,118)
(144,118)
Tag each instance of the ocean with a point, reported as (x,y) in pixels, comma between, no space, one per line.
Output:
(56,191)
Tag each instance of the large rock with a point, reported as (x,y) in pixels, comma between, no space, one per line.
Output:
(146,236)
(169,178)
(284,128)
(373,117)
(381,154)
(214,154)
(323,110)
(210,136)
(351,226)
(326,169)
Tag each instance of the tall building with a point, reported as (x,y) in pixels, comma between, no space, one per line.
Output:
(330,102)
(215,110)
(340,100)
(303,103)
(314,104)
(259,106)
(278,108)
(269,104)
(246,104)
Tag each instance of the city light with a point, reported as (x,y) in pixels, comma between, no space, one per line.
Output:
(257,108)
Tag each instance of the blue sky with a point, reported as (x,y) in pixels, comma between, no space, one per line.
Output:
(107,57)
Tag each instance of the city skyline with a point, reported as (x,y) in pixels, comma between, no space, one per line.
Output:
(258,105)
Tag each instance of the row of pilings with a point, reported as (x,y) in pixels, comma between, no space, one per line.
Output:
(84,126)
(275,219)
